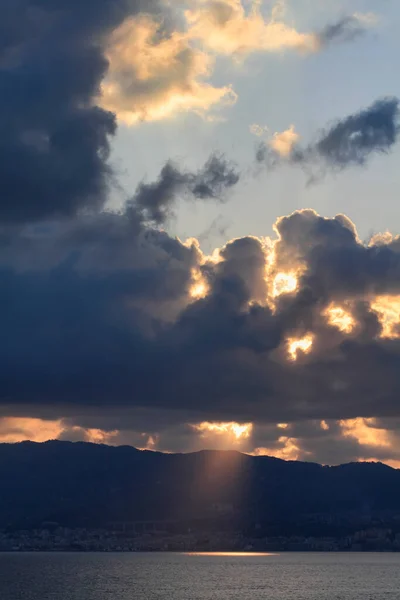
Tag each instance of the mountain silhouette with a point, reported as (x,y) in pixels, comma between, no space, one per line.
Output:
(83,484)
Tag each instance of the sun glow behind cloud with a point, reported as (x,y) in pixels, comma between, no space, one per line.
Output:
(340,318)
(223,435)
(287,281)
(199,287)
(303,345)
(388,311)
(237,430)
(386,307)
(284,283)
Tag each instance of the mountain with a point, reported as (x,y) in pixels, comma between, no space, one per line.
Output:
(82,484)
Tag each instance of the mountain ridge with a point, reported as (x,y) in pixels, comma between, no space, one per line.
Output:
(86,484)
(194,452)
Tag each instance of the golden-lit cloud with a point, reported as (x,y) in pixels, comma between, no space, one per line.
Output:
(340,318)
(154,75)
(282,143)
(20,429)
(302,344)
(381,239)
(156,71)
(150,442)
(226,27)
(369,440)
(365,432)
(388,311)
(98,436)
(286,449)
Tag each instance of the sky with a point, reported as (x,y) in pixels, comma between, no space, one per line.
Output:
(199,225)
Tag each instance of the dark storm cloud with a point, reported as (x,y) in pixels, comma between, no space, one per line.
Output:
(101,308)
(156,200)
(54,141)
(97,318)
(349,142)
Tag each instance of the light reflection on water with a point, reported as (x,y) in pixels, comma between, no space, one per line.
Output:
(229,554)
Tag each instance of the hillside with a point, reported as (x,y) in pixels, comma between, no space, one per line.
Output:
(78,484)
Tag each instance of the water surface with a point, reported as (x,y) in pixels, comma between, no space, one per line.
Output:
(289,576)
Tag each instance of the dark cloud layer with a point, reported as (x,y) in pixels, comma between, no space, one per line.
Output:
(156,200)
(349,142)
(97,316)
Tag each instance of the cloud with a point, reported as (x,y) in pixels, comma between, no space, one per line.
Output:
(154,74)
(327,441)
(54,139)
(101,327)
(114,331)
(349,142)
(225,27)
(354,139)
(283,143)
(345,440)
(346,29)
(158,68)
(14,430)
(155,201)
(65,70)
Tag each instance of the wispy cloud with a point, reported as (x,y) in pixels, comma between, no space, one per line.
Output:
(351,141)
(346,29)
(156,200)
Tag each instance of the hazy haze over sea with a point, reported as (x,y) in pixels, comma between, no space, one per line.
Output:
(291,576)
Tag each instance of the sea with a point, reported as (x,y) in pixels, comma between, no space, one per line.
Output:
(222,576)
